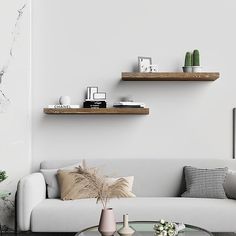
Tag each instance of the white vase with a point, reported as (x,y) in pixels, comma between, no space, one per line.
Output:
(64,100)
(126,230)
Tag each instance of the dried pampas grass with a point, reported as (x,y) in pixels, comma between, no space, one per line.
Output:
(95,183)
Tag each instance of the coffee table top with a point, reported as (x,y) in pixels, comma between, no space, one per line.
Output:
(145,228)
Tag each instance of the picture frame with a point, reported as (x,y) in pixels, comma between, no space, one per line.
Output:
(91,91)
(99,96)
(154,68)
(144,64)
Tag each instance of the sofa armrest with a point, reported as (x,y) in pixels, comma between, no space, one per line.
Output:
(31,190)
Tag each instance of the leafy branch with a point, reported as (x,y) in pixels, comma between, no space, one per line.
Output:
(3,176)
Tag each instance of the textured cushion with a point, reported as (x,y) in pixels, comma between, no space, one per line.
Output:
(50,176)
(216,215)
(230,184)
(204,183)
(72,189)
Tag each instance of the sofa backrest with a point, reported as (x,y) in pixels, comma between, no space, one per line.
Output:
(152,177)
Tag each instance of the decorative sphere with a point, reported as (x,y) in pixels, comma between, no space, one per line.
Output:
(64,100)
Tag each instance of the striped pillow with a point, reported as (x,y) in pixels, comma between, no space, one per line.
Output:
(205,183)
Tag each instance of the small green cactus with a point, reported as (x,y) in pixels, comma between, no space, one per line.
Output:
(196,58)
(188,59)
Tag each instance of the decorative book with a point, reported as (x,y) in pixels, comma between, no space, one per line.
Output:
(64,106)
(129,104)
(95,104)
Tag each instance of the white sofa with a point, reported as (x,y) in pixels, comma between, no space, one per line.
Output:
(158,184)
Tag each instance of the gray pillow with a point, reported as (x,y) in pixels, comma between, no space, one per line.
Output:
(50,176)
(205,183)
(230,184)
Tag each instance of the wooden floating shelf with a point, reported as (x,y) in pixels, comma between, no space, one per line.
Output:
(98,111)
(170,76)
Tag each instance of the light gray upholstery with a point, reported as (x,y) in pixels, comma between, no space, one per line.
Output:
(31,190)
(58,164)
(230,185)
(157,183)
(72,216)
(165,174)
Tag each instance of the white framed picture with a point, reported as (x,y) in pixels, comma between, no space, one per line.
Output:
(99,96)
(144,64)
(90,92)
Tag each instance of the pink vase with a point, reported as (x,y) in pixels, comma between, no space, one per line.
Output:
(107,223)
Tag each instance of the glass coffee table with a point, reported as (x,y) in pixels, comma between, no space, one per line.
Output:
(145,228)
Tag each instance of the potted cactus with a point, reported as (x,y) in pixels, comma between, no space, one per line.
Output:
(188,62)
(196,61)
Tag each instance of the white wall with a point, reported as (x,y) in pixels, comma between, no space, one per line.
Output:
(82,43)
(15,123)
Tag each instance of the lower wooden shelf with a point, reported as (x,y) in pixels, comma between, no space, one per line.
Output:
(99,111)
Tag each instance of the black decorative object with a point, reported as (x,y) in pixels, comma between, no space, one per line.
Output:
(95,104)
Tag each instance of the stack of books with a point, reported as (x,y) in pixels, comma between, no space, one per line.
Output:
(63,106)
(95,104)
(95,99)
(129,104)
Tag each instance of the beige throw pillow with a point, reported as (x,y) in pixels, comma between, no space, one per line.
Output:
(72,189)
(129,186)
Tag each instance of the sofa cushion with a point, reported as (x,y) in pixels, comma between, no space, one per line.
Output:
(204,183)
(54,215)
(74,185)
(57,164)
(50,176)
(230,184)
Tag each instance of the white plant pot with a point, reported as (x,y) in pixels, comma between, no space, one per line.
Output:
(64,100)
(187,69)
(197,69)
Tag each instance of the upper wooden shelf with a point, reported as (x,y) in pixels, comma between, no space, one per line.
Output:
(170,76)
(97,111)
